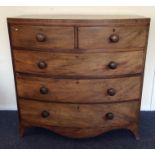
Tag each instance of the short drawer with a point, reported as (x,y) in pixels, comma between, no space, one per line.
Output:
(79,64)
(42,37)
(79,91)
(78,115)
(112,37)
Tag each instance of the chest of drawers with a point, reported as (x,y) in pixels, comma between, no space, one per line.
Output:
(79,76)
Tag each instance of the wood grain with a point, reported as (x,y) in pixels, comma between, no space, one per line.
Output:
(79,64)
(56,37)
(79,91)
(98,37)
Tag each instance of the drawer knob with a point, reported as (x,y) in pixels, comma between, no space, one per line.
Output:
(45,114)
(42,65)
(40,37)
(111,92)
(112,65)
(109,115)
(43,90)
(114,38)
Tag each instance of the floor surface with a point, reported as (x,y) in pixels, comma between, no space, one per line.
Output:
(37,138)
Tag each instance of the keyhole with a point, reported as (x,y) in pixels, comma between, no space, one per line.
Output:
(113,30)
(78,108)
(77,82)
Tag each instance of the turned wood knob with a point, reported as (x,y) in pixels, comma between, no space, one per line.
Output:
(40,37)
(112,65)
(43,90)
(111,92)
(45,114)
(114,38)
(109,115)
(42,64)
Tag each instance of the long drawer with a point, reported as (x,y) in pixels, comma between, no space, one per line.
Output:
(78,115)
(79,91)
(79,64)
(42,37)
(112,37)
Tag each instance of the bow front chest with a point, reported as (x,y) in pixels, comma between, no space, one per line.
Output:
(79,76)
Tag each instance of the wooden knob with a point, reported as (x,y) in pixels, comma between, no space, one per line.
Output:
(109,115)
(114,38)
(45,114)
(40,37)
(112,65)
(42,64)
(111,92)
(43,90)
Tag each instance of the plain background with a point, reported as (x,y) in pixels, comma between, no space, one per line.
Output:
(7,89)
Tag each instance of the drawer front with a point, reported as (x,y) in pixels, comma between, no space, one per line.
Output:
(109,37)
(79,64)
(42,37)
(78,115)
(79,91)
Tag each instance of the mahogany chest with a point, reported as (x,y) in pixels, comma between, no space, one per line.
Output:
(79,76)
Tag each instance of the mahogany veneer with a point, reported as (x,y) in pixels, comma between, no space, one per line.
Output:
(79,76)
